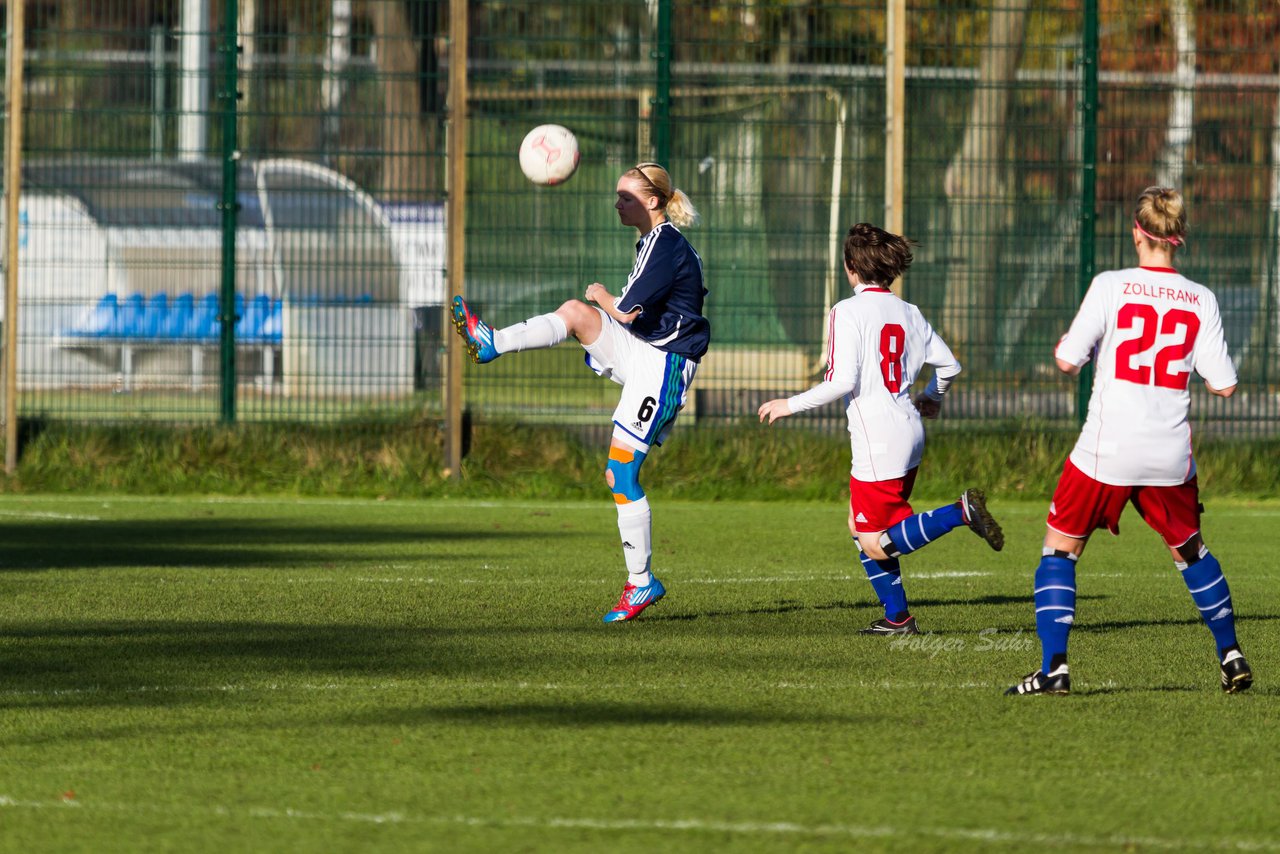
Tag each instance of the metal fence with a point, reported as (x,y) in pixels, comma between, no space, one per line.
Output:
(237,211)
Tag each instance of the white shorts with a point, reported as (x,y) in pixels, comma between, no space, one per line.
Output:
(654,383)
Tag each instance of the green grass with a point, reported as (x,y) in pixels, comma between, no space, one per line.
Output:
(291,674)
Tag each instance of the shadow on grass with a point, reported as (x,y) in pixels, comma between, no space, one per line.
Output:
(1208,687)
(172,663)
(585,714)
(1112,625)
(1138,689)
(222,543)
(227,671)
(788,606)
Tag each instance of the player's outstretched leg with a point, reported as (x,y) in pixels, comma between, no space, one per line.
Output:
(477,334)
(484,343)
(1055,600)
(915,532)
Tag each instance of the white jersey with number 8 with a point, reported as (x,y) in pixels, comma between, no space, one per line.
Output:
(1151,328)
(877,345)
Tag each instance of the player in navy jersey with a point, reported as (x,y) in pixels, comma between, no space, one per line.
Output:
(648,339)
(877,345)
(1147,328)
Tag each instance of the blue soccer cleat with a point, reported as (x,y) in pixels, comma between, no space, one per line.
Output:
(634,600)
(475,332)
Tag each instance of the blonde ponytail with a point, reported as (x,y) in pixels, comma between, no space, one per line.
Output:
(671,200)
(680,210)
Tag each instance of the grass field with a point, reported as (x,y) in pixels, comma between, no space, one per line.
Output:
(281,674)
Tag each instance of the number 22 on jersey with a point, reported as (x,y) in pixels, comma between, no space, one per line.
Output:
(1149,322)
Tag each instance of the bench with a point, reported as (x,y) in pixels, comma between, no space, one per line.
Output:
(115,330)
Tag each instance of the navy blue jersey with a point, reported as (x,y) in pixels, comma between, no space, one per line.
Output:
(666,285)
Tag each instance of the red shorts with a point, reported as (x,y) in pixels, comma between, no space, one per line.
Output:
(1082,505)
(878,505)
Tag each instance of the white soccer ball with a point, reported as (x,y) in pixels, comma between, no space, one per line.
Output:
(549,155)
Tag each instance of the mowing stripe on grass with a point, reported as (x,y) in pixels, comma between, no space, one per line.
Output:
(986,835)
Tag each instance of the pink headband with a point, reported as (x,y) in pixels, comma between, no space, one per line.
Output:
(1176,241)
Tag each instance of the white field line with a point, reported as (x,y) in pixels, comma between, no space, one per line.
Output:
(951,573)
(105,501)
(589,504)
(981,835)
(505,686)
(108,500)
(187,578)
(35,514)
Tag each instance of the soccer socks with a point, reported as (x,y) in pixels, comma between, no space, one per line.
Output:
(536,333)
(1055,600)
(1209,591)
(909,535)
(886,580)
(916,532)
(635,524)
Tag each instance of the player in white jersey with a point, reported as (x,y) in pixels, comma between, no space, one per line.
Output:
(1147,329)
(877,346)
(648,339)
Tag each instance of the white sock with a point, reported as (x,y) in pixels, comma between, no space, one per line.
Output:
(545,330)
(635,524)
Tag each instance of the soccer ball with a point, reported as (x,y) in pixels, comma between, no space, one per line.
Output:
(549,155)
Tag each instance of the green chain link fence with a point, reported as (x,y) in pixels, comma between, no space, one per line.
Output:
(322,152)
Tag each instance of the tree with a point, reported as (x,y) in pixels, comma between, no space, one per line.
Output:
(405,34)
(1173,158)
(979,193)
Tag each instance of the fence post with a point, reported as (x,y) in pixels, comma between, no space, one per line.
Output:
(456,231)
(1088,179)
(13,199)
(228,93)
(895,149)
(662,89)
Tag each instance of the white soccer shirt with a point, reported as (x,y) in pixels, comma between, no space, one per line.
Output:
(1152,327)
(877,345)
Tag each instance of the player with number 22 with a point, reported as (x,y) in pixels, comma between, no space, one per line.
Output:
(876,346)
(1147,328)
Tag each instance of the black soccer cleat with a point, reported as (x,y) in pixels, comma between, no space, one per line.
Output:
(1058,682)
(973,503)
(884,626)
(1236,675)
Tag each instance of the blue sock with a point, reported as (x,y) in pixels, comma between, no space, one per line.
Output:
(1055,599)
(1209,591)
(886,580)
(916,532)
